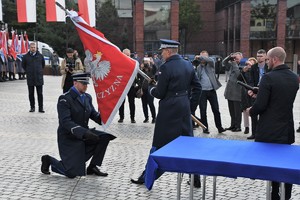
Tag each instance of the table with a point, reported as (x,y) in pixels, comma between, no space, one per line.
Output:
(229,158)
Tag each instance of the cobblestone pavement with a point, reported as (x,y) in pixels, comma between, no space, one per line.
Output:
(25,137)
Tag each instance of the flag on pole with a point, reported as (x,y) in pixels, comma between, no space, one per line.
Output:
(26,10)
(11,48)
(112,71)
(53,12)
(26,41)
(22,45)
(4,43)
(87,9)
(1,13)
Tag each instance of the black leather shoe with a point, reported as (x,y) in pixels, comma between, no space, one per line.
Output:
(146,120)
(120,120)
(221,130)
(32,110)
(96,171)
(41,110)
(45,164)
(236,130)
(153,121)
(251,137)
(206,131)
(140,180)
(229,128)
(298,130)
(133,121)
(246,130)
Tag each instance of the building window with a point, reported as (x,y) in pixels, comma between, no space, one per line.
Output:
(157,23)
(263,19)
(293,19)
(124,7)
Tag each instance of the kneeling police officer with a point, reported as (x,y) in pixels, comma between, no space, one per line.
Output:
(76,142)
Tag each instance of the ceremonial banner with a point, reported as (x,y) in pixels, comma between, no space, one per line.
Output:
(22,45)
(112,71)
(87,11)
(26,10)
(53,12)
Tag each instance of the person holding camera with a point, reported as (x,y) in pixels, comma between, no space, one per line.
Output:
(148,67)
(233,91)
(70,65)
(77,143)
(209,83)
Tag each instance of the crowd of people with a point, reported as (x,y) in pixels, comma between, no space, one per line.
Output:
(180,88)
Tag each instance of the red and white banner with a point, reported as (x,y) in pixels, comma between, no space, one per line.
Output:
(53,12)
(22,45)
(87,11)
(112,71)
(26,10)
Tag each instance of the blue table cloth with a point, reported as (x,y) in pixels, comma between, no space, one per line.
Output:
(229,158)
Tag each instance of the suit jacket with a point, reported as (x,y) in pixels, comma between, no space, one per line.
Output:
(274,105)
(74,115)
(176,78)
(34,66)
(254,74)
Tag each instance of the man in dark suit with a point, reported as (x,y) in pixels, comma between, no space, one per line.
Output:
(256,73)
(175,80)
(33,63)
(76,142)
(274,105)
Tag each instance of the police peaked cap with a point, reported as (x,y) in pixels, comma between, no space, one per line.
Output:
(164,43)
(84,78)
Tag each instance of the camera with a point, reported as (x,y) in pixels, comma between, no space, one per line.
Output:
(70,63)
(196,62)
(231,58)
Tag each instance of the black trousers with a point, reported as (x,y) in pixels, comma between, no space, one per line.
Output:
(94,151)
(148,99)
(235,113)
(39,91)
(212,98)
(275,191)
(131,98)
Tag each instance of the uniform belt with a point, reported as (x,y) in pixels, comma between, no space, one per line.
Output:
(177,94)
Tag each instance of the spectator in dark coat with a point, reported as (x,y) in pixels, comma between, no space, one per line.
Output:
(33,63)
(274,105)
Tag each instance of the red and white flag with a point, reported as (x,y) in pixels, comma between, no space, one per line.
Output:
(53,12)
(87,11)
(112,71)
(26,10)
(22,45)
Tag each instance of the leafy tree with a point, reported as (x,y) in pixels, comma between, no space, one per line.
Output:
(108,22)
(189,20)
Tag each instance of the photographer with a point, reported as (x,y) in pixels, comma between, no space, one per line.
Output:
(209,83)
(70,65)
(233,91)
(148,67)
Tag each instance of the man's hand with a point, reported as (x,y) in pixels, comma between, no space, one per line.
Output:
(152,81)
(251,93)
(248,111)
(90,136)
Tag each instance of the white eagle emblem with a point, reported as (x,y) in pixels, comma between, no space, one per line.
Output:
(98,69)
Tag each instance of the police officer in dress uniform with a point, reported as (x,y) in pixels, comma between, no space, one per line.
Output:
(77,143)
(175,80)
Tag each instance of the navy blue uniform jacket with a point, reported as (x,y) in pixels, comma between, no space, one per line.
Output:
(274,104)
(73,118)
(175,80)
